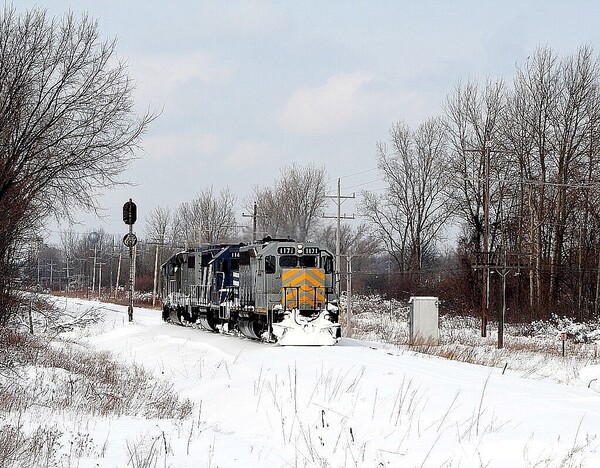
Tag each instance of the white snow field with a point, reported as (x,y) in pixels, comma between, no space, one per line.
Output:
(355,404)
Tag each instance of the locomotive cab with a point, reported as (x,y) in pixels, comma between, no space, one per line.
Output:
(293,292)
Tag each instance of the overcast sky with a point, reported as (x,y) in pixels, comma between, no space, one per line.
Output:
(247,87)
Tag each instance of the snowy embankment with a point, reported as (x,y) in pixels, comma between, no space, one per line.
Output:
(354,404)
(533,350)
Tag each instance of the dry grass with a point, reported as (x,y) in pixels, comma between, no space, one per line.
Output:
(21,450)
(49,315)
(84,382)
(35,374)
(533,349)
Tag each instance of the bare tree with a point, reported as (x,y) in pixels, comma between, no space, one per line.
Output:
(69,241)
(66,117)
(552,129)
(292,206)
(207,218)
(358,240)
(158,225)
(413,212)
(473,119)
(389,223)
(542,136)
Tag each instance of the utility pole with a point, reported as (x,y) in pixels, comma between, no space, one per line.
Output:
(94,268)
(254,216)
(511,261)
(485,254)
(100,278)
(503,269)
(154,287)
(349,258)
(38,267)
(68,287)
(94,237)
(485,295)
(338,199)
(118,274)
(159,244)
(502,316)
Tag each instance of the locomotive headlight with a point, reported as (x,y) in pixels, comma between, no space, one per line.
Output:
(300,248)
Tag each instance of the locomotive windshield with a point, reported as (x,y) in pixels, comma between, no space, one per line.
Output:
(291,261)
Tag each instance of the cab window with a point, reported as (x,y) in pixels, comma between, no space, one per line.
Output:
(288,261)
(327,264)
(308,261)
(270,264)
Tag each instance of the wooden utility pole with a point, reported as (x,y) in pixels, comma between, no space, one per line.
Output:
(154,287)
(485,293)
(339,198)
(485,254)
(118,274)
(100,278)
(159,244)
(349,315)
(68,287)
(349,295)
(254,216)
(502,271)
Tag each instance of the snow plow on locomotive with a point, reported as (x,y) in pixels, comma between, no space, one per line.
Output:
(273,290)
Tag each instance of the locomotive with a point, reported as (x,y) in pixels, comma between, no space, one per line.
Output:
(275,290)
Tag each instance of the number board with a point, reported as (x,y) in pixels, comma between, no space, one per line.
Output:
(311,250)
(286,250)
(235,255)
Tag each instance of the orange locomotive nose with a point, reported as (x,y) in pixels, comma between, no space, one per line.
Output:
(303,288)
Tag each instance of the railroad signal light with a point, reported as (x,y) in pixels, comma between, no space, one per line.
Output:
(129,217)
(129,212)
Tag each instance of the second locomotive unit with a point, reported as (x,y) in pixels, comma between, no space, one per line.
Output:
(275,290)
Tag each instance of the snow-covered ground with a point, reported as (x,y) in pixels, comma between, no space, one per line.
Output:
(354,404)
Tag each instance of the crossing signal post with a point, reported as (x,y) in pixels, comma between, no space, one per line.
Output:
(129,218)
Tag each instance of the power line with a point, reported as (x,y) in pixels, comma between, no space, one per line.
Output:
(365,183)
(359,173)
(516,180)
(556,184)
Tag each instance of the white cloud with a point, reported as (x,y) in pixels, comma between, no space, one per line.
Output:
(252,17)
(338,102)
(159,75)
(248,155)
(177,145)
